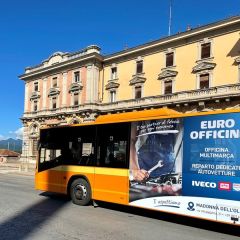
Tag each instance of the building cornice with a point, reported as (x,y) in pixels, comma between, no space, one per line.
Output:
(167,74)
(203,66)
(112,85)
(75,87)
(180,36)
(92,57)
(137,79)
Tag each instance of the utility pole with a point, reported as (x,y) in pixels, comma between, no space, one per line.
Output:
(170,18)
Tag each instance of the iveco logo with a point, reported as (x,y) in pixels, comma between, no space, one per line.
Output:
(204,184)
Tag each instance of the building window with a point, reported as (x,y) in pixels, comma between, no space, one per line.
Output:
(113,96)
(138,92)
(168,87)
(54,102)
(169,59)
(35,105)
(77,77)
(113,73)
(204,81)
(54,82)
(205,50)
(34,147)
(139,67)
(76,99)
(35,86)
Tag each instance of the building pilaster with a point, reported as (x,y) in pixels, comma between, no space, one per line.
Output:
(64,90)
(26,100)
(25,144)
(44,94)
(92,83)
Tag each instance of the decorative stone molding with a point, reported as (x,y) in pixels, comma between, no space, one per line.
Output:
(53,92)
(75,120)
(75,87)
(203,66)
(34,130)
(93,48)
(41,120)
(112,85)
(225,93)
(237,60)
(137,79)
(35,95)
(164,75)
(89,116)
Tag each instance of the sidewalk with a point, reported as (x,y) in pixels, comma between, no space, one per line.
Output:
(18,168)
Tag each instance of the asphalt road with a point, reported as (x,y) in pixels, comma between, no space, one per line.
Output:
(29,214)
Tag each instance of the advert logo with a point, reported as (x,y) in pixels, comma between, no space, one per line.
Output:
(190,206)
(227,186)
(236,187)
(204,184)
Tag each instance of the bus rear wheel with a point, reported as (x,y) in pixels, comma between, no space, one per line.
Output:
(80,192)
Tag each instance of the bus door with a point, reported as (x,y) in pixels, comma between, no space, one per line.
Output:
(53,145)
(111,171)
(49,176)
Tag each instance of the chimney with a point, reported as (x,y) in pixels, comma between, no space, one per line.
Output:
(189,27)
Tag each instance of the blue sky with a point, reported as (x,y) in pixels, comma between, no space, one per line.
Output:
(30,31)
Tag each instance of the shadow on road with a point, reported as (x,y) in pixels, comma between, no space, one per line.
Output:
(31,219)
(182,220)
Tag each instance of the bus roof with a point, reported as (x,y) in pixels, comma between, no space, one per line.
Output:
(155,114)
(137,115)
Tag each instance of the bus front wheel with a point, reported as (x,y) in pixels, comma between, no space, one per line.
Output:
(80,192)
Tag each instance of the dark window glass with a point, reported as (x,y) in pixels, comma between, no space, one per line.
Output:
(112,149)
(35,105)
(112,96)
(54,82)
(36,86)
(169,59)
(139,67)
(54,102)
(205,50)
(204,81)
(67,146)
(113,73)
(168,87)
(138,92)
(76,99)
(76,77)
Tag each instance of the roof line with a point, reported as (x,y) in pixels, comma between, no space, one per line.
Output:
(177,36)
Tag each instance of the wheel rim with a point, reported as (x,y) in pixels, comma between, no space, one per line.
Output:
(80,191)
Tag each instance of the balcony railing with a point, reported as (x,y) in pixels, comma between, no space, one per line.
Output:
(219,92)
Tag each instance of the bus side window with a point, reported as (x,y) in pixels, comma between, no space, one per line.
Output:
(49,157)
(42,155)
(113,146)
(82,146)
(51,145)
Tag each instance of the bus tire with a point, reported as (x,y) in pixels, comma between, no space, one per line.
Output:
(80,192)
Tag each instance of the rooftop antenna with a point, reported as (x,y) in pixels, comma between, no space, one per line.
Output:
(170,18)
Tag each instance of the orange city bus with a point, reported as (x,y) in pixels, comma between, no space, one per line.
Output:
(186,164)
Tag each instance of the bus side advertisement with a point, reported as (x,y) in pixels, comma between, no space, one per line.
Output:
(192,164)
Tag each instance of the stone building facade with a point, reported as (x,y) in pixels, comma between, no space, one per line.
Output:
(197,70)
